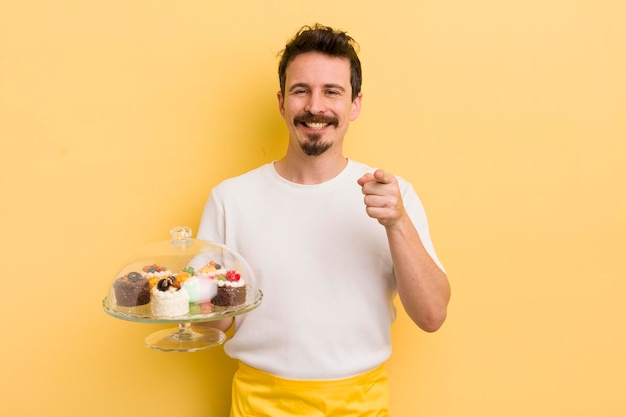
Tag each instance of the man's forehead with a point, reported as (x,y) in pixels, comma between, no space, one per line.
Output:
(319,68)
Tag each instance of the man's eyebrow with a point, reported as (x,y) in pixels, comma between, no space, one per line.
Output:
(298,85)
(329,85)
(335,86)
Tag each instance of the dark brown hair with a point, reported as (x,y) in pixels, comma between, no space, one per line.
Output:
(325,40)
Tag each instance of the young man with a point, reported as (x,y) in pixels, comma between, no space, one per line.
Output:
(331,242)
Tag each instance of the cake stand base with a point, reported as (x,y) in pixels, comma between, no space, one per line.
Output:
(184,339)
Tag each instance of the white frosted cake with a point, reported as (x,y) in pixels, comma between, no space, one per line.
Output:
(169,299)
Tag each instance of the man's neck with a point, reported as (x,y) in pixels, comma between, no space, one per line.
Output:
(310,170)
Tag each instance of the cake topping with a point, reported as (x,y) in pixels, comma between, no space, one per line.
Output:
(135,276)
(154,268)
(183,276)
(212,266)
(233,276)
(230,276)
(165,284)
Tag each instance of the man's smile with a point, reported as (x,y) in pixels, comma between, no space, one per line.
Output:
(315,122)
(316,126)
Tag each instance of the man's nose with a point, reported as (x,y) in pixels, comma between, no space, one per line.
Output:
(316,103)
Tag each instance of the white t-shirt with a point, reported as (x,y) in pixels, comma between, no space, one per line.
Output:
(324,268)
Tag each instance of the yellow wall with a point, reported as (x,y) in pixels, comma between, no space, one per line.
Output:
(117,118)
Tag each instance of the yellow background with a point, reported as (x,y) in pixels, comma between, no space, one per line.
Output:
(117,118)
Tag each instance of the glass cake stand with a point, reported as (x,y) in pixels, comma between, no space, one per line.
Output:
(182,338)
(177,254)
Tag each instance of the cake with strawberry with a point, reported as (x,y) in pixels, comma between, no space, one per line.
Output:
(169,298)
(231,289)
(228,288)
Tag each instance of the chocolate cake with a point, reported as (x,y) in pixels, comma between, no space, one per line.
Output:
(132,290)
(229,296)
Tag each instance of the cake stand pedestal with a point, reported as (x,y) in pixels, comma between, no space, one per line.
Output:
(183,338)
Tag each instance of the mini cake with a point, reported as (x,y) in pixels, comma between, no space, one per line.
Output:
(154,273)
(200,289)
(210,270)
(231,290)
(169,299)
(132,290)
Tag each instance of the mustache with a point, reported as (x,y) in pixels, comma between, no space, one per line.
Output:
(315,118)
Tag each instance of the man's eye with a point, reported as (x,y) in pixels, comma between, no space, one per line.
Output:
(332,92)
(299,92)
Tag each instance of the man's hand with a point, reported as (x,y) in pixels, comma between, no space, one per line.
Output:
(383,200)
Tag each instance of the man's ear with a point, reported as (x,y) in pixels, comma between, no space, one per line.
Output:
(356,107)
(281,103)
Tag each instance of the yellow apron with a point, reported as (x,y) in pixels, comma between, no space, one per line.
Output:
(259,394)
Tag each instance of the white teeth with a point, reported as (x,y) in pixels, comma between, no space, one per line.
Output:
(316,126)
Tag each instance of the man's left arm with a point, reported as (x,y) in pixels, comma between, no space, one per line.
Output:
(423,287)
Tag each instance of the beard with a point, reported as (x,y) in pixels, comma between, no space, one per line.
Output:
(315,145)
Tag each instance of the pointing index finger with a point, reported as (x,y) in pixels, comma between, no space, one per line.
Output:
(383,177)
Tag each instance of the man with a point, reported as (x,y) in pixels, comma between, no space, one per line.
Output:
(331,242)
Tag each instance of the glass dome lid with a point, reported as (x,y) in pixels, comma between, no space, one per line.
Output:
(182,280)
